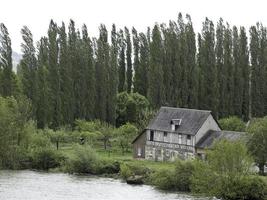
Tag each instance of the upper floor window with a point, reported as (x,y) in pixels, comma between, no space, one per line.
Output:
(188,140)
(165,134)
(151,138)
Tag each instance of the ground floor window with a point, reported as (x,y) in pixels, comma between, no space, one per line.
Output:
(139,151)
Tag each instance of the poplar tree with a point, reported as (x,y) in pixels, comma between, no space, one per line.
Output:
(28,66)
(54,77)
(191,63)
(122,67)
(208,67)
(102,65)
(222,71)
(8,78)
(129,59)
(257,106)
(245,68)
(112,78)
(89,75)
(228,67)
(141,72)
(65,77)
(156,86)
(136,64)
(42,106)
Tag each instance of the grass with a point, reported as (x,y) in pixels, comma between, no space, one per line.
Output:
(116,155)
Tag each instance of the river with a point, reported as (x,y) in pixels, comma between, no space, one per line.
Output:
(32,185)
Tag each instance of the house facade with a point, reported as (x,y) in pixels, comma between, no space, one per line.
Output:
(178,133)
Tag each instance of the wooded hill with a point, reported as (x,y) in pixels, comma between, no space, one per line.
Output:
(70,75)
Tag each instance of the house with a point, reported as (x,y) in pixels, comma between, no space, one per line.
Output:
(179,132)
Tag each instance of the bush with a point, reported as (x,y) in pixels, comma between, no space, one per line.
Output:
(232,124)
(182,175)
(108,167)
(163,179)
(83,160)
(246,188)
(45,158)
(127,170)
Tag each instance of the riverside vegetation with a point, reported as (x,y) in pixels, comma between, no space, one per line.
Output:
(76,102)
(94,147)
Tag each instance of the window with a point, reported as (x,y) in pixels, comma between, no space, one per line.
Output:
(188,140)
(179,139)
(151,138)
(165,134)
(139,152)
(176,127)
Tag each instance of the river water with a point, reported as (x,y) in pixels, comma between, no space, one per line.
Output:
(31,185)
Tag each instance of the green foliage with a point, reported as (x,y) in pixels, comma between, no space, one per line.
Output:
(125,135)
(131,108)
(45,158)
(228,163)
(232,124)
(257,142)
(163,179)
(83,160)
(96,130)
(132,169)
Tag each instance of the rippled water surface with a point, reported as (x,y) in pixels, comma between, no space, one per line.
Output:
(31,185)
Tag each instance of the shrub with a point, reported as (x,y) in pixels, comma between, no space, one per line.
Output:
(182,175)
(108,167)
(232,123)
(163,179)
(127,170)
(83,160)
(45,158)
(246,188)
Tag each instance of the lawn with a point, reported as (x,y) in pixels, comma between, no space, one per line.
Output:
(127,158)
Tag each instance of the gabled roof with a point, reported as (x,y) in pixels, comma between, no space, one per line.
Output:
(192,119)
(208,139)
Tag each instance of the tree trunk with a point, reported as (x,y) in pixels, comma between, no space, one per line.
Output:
(57,144)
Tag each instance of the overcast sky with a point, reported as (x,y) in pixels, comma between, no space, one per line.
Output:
(36,14)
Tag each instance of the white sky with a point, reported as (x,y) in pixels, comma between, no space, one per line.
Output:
(36,14)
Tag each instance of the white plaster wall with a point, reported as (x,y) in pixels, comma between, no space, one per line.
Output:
(209,124)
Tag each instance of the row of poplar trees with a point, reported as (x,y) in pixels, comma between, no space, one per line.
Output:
(69,75)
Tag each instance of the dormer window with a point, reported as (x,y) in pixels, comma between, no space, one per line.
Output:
(175,124)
